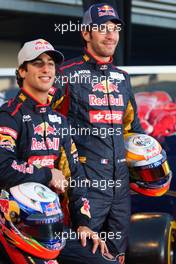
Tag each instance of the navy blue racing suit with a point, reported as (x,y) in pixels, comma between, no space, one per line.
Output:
(100,106)
(31,144)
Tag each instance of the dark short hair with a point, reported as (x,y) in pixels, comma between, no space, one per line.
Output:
(18,77)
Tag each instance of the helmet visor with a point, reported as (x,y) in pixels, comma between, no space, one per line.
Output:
(150,173)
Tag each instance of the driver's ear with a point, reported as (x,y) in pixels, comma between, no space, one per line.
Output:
(22,72)
(86,35)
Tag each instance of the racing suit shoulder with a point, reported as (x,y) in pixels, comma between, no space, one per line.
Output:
(120,70)
(71,63)
(9,106)
(60,99)
(13,168)
(131,119)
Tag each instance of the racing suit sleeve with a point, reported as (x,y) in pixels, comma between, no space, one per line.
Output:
(131,119)
(77,191)
(12,170)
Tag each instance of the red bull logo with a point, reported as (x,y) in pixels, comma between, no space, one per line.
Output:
(45,144)
(105,87)
(52,209)
(39,129)
(42,44)
(51,206)
(106,11)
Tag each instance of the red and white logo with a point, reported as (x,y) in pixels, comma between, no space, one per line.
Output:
(42,161)
(52,90)
(42,44)
(42,145)
(105,11)
(106,116)
(106,100)
(44,126)
(9,131)
(105,87)
(23,167)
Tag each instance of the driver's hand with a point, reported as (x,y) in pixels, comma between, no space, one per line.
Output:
(85,232)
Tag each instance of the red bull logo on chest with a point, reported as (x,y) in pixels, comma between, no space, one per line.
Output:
(105,87)
(39,129)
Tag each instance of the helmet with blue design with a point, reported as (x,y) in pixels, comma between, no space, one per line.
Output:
(31,219)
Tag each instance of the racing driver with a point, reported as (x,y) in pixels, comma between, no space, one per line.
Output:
(100,107)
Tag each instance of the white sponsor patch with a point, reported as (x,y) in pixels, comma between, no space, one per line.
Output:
(117,75)
(26,118)
(54,119)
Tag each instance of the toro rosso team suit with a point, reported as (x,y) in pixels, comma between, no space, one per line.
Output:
(100,107)
(32,143)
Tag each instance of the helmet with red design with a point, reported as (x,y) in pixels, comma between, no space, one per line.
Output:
(31,219)
(150,174)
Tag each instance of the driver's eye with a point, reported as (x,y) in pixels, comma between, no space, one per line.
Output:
(40,63)
(37,63)
(102,29)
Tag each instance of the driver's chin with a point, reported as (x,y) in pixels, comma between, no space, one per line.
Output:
(43,89)
(107,52)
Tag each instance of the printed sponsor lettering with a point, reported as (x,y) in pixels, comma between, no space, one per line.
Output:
(9,131)
(103,67)
(152,152)
(54,119)
(24,167)
(82,72)
(42,161)
(42,110)
(117,75)
(26,118)
(106,116)
(42,145)
(106,100)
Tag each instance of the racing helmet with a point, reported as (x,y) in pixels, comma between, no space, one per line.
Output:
(149,170)
(32,220)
